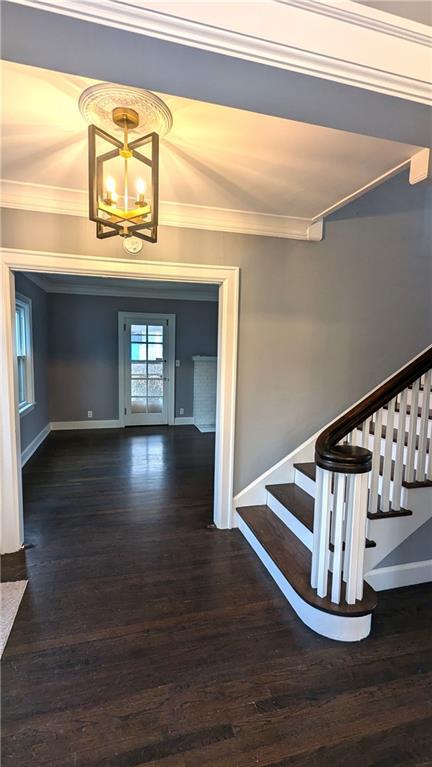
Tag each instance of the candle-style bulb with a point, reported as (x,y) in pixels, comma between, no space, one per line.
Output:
(140,190)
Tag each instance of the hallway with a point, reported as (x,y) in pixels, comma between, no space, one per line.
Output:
(145,638)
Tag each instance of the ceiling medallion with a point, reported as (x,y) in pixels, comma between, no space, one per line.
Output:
(124,173)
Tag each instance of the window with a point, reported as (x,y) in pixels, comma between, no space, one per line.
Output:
(24,352)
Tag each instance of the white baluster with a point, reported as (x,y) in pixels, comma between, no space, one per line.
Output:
(338,513)
(361,540)
(388,449)
(376,456)
(412,434)
(424,423)
(350,483)
(323,553)
(365,432)
(399,462)
(317,526)
(357,539)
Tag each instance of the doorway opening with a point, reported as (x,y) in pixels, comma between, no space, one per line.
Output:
(226,278)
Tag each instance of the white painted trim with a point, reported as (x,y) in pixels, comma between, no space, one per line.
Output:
(394,577)
(364,189)
(226,277)
(11,505)
(171,368)
(41,198)
(330,39)
(135,292)
(328,625)
(27,305)
(90,424)
(421,166)
(184,420)
(34,444)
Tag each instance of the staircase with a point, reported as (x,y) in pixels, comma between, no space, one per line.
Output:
(338,516)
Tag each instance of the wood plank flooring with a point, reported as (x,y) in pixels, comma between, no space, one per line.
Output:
(145,639)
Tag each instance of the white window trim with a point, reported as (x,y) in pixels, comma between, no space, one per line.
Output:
(26,303)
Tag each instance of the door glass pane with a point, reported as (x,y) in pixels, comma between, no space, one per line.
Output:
(138,351)
(154,405)
(155,352)
(139,387)
(138,369)
(155,333)
(139,333)
(138,405)
(155,388)
(155,369)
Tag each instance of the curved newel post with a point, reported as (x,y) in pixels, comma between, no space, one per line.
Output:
(339,535)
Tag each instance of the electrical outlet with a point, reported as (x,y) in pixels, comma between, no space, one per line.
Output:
(177,363)
(182,411)
(89,413)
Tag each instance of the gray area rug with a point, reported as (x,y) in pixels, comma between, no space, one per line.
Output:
(10,598)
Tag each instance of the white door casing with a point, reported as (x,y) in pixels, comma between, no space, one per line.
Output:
(227,277)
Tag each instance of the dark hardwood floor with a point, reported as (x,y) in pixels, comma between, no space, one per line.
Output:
(145,639)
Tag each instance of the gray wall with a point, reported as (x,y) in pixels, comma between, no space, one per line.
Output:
(320,323)
(83,350)
(416,548)
(34,421)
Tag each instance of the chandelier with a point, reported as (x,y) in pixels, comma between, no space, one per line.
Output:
(124,169)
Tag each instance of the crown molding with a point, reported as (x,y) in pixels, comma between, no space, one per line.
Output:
(385,54)
(126,292)
(73,202)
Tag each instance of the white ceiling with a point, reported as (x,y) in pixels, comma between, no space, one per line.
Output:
(215,157)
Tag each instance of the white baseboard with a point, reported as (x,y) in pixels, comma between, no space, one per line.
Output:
(34,444)
(90,424)
(400,575)
(183,420)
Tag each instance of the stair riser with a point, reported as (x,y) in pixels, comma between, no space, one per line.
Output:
(306,484)
(291,521)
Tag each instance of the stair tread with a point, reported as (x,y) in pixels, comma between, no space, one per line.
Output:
(299,503)
(293,559)
(309,469)
(296,500)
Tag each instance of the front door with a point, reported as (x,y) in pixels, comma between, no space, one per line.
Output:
(146,372)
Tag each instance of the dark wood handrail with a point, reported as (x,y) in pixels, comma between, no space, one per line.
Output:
(350,459)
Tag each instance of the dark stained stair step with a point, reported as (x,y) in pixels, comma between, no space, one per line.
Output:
(293,559)
(309,470)
(299,503)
